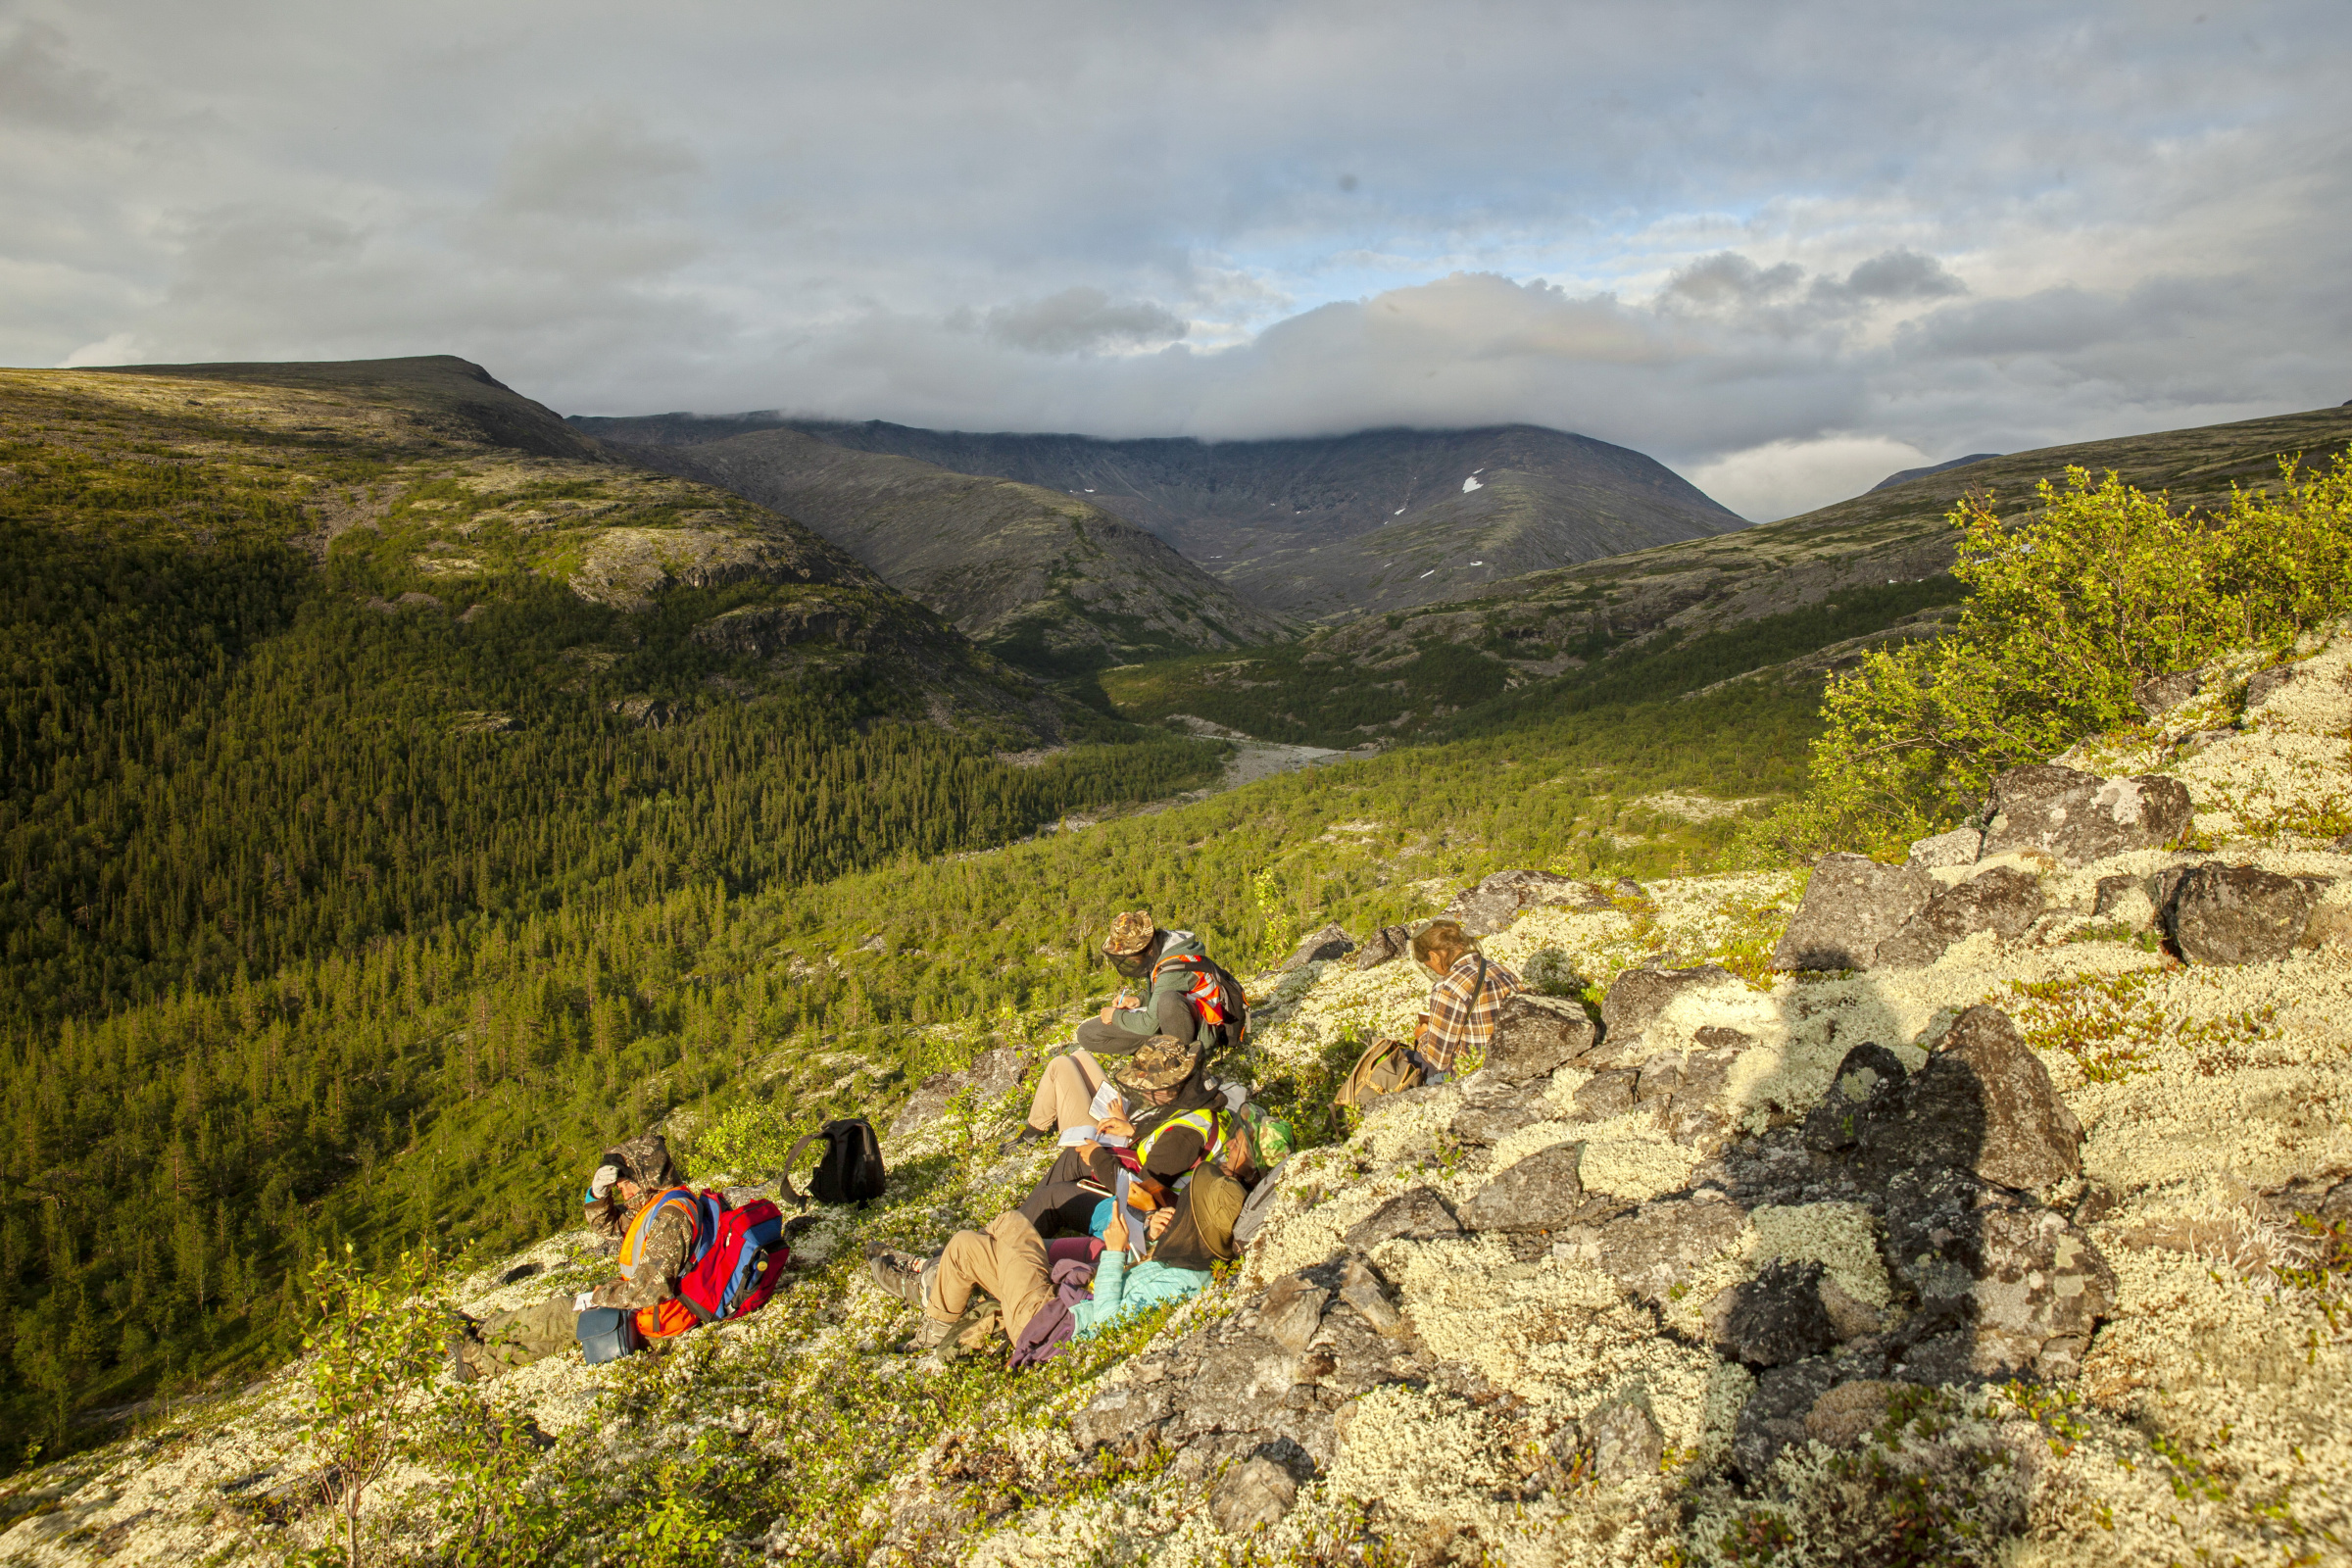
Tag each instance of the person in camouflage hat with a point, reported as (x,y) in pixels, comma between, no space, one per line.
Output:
(1171,967)
(628,1178)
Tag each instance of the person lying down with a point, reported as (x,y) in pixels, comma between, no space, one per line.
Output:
(1050,1294)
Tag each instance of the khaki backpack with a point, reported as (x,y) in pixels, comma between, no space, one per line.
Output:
(1386,1068)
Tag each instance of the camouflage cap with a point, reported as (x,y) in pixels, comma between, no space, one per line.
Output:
(1271,1139)
(1160,1062)
(1130,934)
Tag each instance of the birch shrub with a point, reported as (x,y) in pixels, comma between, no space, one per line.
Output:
(2072,603)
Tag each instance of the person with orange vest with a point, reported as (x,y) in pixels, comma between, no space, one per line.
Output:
(639,1195)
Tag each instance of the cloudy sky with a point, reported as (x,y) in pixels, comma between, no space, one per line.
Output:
(1784,248)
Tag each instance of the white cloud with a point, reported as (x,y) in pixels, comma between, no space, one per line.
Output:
(1781,479)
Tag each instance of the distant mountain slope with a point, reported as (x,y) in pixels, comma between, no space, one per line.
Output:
(1804,595)
(1324,527)
(1046,580)
(1907,476)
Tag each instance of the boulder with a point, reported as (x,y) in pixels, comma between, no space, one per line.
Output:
(1255,1495)
(1851,905)
(1239,1387)
(1868,1080)
(1497,899)
(991,1075)
(1775,1318)
(1119,1417)
(1537,1036)
(2225,914)
(1388,942)
(1362,1288)
(1607,1094)
(1485,1126)
(1320,947)
(2077,817)
(1417,1214)
(1662,1243)
(1773,1416)
(1959,847)
(1625,1442)
(1292,1312)
(1984,1103)
(2261,686)
(2124,901)
(2002,900)
(2158,692)
(1638,997)
(2021,1282)
(1540,1193)
(1691,1092)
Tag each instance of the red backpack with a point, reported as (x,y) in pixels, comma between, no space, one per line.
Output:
(740,1263)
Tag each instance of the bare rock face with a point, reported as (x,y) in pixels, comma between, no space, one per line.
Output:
(1320,947)
(1388,942)
(1540,1193)
(1869,1081)
(992,1074)
(1537,1036)
(1959,847)
(2022,1284)
(758,631)
(2003,900)
(1852,905)
(1659,1245)
(1984,1103)
(1497,900)
(2221,915)
(1418,1214)
(1293,1311)
(1117,1414)
(1638,997)
(1773,1319)
(2077,817)
(1254,1497)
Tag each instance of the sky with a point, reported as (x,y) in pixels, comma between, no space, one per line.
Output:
(1784,248)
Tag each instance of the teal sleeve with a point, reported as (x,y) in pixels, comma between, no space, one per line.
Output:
(1119,1291)
(1111,1288)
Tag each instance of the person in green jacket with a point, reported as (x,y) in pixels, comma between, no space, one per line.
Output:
(1008,1261)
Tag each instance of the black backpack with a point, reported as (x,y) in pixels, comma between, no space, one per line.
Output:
(851,1171)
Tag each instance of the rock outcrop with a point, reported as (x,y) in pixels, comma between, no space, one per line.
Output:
(2077,817)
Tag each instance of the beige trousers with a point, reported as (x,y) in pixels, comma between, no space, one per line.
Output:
(1064,1091)
(1007,1260)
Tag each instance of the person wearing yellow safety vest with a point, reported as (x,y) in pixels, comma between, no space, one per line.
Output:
(1157,1126)
(639,1195)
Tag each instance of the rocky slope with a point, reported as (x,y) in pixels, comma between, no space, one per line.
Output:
(1044,578)
(1323,528)
(1971,1210)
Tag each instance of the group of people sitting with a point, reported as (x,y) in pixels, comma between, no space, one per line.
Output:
(1152,1187)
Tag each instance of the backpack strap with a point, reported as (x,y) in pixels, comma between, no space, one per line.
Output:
(784,1176)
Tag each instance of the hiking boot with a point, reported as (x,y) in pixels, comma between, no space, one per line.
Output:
(898,1274)
(1027,1135)
(933,1334)
(466,1336)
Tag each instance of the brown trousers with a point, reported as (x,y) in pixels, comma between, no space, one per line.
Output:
(1064,1091)
(1007,1260)
(509,1340)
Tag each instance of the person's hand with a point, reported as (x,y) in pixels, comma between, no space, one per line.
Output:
(1126,998)
(1107,1013)
(1115,1123)
(583,1302)
(1157,1225)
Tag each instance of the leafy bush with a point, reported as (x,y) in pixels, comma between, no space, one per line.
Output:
(2071,605)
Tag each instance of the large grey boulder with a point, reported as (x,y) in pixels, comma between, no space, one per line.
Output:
(991,1075)
(2222,915)
(1636,998)
(2001,900)
(1320,947)
(1959,847)
(1851,905)
(1608,1093)
(2018,1279)
(1984,1103)
(1388,942)
(1540,1193)
(1417,1214)
(2077,817)
(1662,1243)
(1497,899)
(1256,1495)
(1537,1036)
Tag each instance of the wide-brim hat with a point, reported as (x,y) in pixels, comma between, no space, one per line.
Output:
(1160,1062)
(1130,934)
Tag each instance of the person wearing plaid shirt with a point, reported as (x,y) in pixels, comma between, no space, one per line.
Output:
(1470,990)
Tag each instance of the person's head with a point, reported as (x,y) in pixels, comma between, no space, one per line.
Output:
(1156,1072)
(1131,943)
(625,1175)
(1439,944)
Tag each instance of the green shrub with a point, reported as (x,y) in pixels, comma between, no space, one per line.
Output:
(2072,603)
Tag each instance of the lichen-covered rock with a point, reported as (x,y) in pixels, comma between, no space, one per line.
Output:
(1256,1495)
(1540,1193)
(2018,1279)
(1537,1036)
(1120,1418)
(991,1075)
(1416,1215)
(1638,997)
(1488,1125)
(1320,946)
(2158,694)
(1662,1243)
(1851,905)
(2002,900)
(1984,1103)
(1869,1078)
(1487,908)
(1775,1318)
(2077,817)
(2124,901)
(1388,942)
(2222,915)
(1773,1416)
(1608,1093)
(1293,1311)
(1959,847)
(1623,1441)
